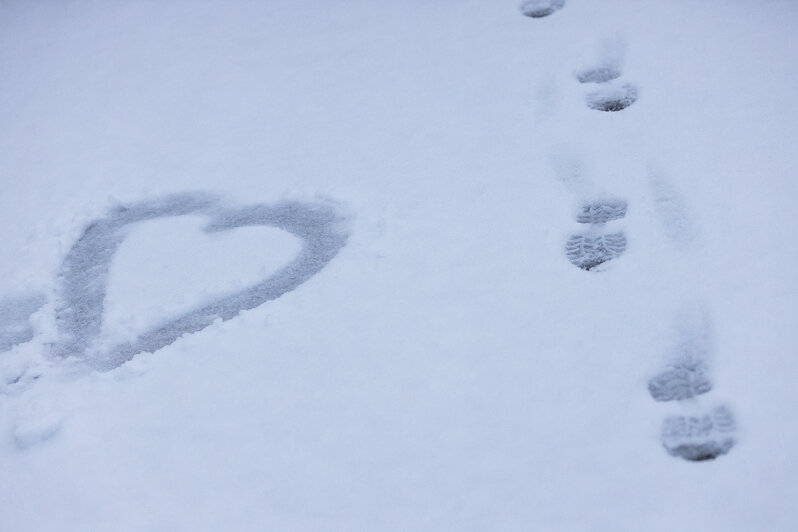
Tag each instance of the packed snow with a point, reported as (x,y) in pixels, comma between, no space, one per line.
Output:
(278,265)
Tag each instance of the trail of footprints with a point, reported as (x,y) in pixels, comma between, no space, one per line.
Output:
(611,96)
(702,435)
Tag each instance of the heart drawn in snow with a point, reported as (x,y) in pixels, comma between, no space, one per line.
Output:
(85,269)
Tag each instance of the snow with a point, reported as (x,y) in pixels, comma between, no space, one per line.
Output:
(430,358)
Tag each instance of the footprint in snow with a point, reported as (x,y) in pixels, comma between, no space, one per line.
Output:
(594,247)
(694,438)
(588,251)
(687,371)
(610,97)
(699,438)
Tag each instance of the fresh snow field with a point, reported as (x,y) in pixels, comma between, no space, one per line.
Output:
(396,266)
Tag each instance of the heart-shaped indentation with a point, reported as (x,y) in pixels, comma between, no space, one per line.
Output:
(86,267)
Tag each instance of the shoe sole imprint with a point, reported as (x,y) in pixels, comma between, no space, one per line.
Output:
(699,438)
(587,251)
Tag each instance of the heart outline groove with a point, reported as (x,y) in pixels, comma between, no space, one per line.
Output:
(84,271)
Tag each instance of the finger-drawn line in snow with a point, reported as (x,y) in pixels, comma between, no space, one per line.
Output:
(612,99)
(541,8)
(700,438)
(593,247)
(85,269)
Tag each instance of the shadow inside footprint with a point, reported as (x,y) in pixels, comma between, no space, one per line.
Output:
(701,438)
(601,74)
(588,251)
(541,8)
(612,99)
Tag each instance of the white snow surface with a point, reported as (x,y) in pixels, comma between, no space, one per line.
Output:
(145,293)
(449,368)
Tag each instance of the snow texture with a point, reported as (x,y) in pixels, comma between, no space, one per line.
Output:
(677,220)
